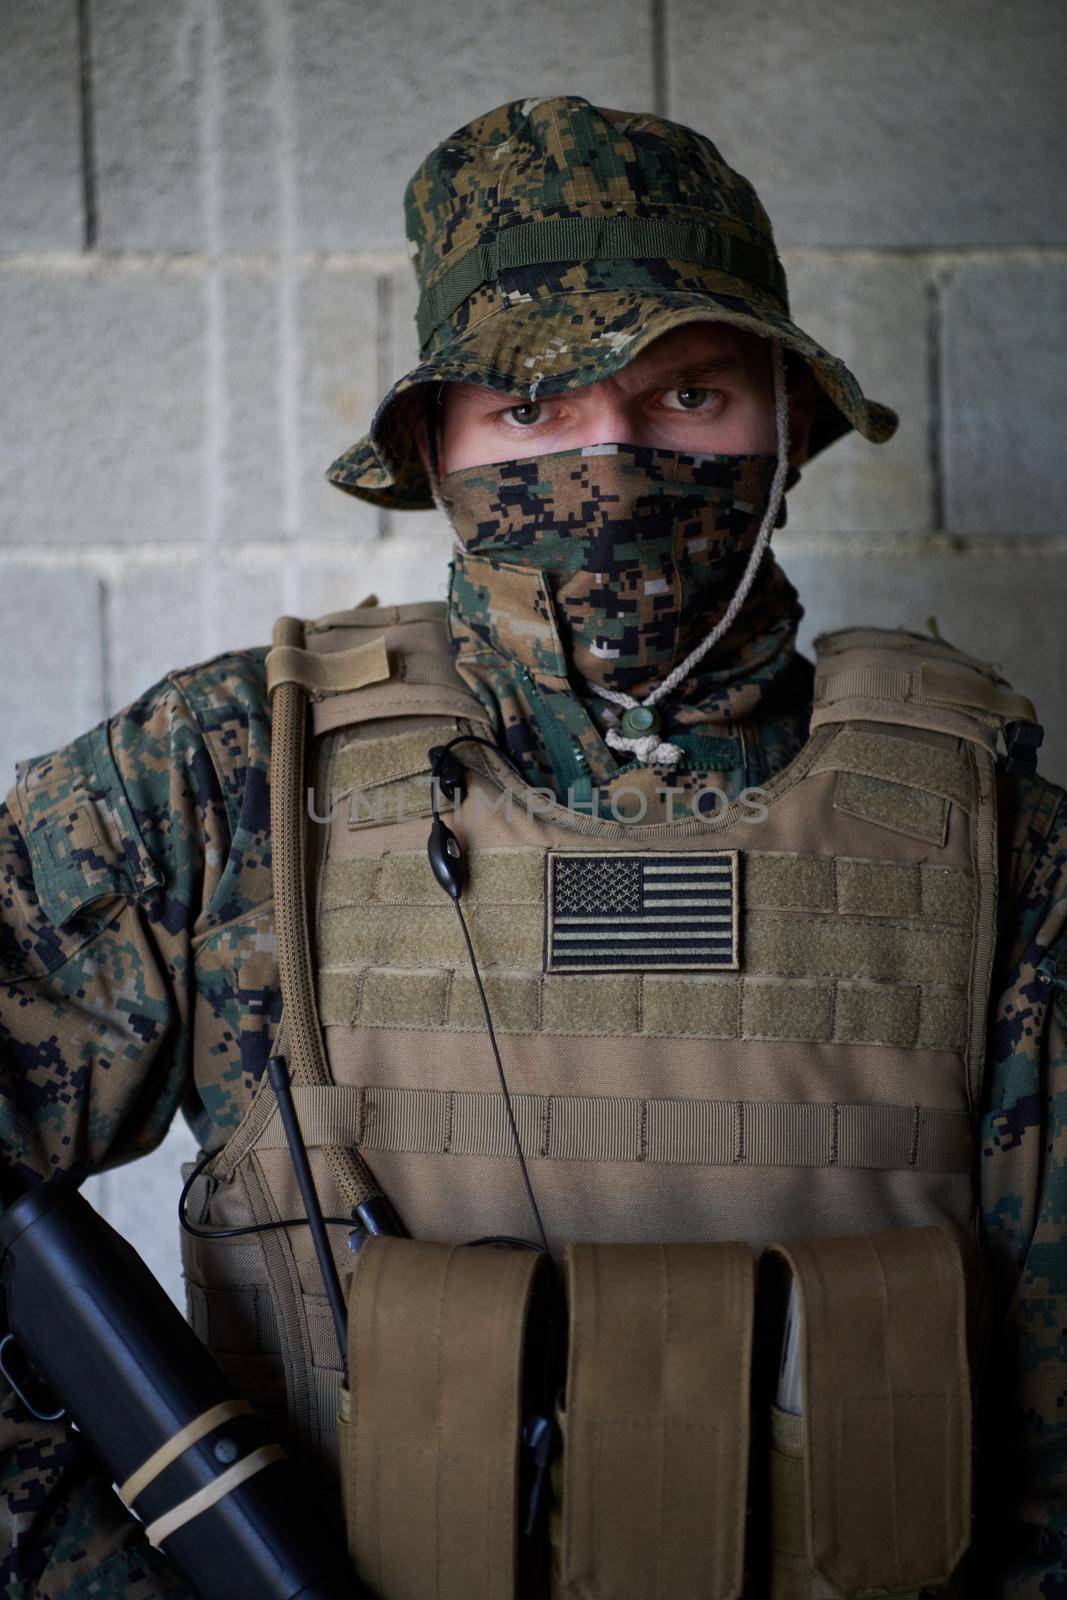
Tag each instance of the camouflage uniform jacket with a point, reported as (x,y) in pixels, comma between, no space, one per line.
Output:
(135,913)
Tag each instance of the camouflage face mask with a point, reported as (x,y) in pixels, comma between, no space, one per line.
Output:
(641,548)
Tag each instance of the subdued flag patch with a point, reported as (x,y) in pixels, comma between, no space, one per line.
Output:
(629,910)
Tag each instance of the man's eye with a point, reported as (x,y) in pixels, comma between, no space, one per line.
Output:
(525,414)
(690,399)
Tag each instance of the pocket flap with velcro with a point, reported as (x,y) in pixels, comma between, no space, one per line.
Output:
(431,1475)
(884,1443)
(388,779)
(655,1455)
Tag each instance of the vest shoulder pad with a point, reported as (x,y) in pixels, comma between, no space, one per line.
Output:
(373,662)
(916,680)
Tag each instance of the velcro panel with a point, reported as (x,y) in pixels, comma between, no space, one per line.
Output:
(501,877)
(366,763)
(878,888)
(879,1013)
(802,1009)
(396,999)
(771,1009)
(514,1001)
(393,802)
(508,936)
(431,1475)
(892,805)
(778,880)
(656,1427)
(947,893)
(703,1005)
(601,1002)
(934,769)
(886,951)
(942,1020)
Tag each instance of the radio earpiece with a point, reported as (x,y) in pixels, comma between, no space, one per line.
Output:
(449,867)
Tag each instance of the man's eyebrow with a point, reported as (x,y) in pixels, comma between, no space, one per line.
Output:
(672,378)
(678,377)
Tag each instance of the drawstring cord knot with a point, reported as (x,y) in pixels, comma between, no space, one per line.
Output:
(648,748)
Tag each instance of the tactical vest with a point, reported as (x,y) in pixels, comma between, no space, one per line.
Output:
(766,1026)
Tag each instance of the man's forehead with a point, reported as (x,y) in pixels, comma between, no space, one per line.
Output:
(697,345)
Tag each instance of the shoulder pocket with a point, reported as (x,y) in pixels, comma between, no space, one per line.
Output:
(79,831)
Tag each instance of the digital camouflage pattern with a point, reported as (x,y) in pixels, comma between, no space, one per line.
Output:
(542,235)
(618,560)
(138,976)
(642,548)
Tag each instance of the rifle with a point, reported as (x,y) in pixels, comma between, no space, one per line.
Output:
(93,1335)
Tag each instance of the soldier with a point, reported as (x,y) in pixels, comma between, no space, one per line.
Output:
(841,1040)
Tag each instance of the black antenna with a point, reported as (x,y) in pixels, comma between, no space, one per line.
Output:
(278,1073)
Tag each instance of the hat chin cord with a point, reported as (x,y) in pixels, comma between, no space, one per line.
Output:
(648,748)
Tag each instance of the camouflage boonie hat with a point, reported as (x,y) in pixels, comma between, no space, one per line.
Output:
(553,240)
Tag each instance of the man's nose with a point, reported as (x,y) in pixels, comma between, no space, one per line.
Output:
(610,420)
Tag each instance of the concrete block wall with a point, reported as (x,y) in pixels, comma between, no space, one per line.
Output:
(204,290)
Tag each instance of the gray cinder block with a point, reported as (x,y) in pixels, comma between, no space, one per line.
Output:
(51,687)
(443,66)
(102,408)
(190,126)
(872,311)
(902,123)
(41,193)
(337,373)
(171,614)
(1005,396)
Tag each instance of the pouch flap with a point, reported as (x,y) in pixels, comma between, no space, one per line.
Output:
(657,1421)
(78,828)
(431,1474)
(887,1416)
(388,778)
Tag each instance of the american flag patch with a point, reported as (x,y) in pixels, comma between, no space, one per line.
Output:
(637,911)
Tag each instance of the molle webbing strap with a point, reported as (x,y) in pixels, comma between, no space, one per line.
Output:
(404,669)
(332,673)
(656,1427)
(619,237)
(430,1475)
(602,1128)
(880,1503)
(338,671)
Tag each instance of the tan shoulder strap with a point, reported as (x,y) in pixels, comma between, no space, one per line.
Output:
(893,676)
(375,662)
(288,818)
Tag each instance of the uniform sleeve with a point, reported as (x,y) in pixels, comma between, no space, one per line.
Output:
(1024,1210)
(109,852)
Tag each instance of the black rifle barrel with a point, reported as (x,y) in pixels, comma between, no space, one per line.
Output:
(98,1329)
